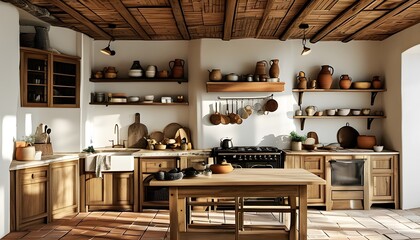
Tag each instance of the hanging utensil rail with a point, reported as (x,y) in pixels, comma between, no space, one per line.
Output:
(244,98)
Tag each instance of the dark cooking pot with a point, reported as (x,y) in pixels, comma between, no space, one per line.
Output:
(226,143)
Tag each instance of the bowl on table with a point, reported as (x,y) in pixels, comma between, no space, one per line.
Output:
(378,148)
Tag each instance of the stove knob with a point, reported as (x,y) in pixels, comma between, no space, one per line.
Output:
(234,156)
(240,158)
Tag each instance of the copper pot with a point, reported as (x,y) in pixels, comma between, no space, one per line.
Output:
(366,141)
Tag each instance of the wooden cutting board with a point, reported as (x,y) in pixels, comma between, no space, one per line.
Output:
(137,133)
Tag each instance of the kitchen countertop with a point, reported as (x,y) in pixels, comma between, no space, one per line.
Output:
(355,151)
(172,153)
(45,161)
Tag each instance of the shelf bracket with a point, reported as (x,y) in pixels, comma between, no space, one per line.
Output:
(302,123)
(372,98)
(369,122)
(300,98)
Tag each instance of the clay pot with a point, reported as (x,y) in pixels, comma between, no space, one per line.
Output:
(302,81)
(215,75)
(25,153)
(345,81)
(376,82)
(274,71)
(325,77)
(366,141)
(260,68)
(177,68)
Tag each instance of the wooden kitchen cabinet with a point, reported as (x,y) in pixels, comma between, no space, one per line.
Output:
(315,165)
(29,197)
(114,191)
(64,189)
(49,79)
(384,179)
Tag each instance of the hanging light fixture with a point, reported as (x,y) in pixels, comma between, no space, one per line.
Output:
(107,50)
(306,50)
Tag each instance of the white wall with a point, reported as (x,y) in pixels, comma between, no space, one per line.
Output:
(398,127)
(9,80)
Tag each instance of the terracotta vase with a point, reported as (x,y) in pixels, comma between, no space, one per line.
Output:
(345,81)
(325,77)
(376,82)
(260,68)
(177,68)
(215,75)
(274,71)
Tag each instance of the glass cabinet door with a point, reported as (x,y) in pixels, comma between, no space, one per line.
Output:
(65,82)
(36,80)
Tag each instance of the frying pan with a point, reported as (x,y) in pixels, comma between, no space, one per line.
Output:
(215,118)
(232,115)
(271,105)
(224,117)
(347,136)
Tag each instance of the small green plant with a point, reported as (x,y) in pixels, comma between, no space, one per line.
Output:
(89,149)
(297,138)
(30,140)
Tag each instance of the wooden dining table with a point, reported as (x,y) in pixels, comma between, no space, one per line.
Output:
(241,183)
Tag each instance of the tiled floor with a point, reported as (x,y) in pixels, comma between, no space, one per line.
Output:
(153,225)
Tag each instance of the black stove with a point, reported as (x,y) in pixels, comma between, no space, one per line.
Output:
(250,156)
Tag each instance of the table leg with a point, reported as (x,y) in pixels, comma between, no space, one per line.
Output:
(303,212)
(173,213)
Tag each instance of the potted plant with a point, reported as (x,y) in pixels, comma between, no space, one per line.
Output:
(87,151)
(296,141)
(25,149)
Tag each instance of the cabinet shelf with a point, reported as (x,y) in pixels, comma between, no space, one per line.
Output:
(113,80)
(64,74)
(245,86)
(373,92)
(369,119)
(140,103)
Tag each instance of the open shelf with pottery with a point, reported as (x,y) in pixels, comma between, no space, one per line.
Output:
(140,103)
(369,118)
(115,80)
(245,86)
(373,92)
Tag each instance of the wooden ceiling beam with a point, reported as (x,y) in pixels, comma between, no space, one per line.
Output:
(179,19)
(299,18)
(36,11)
(264,19)
(230,9)
(76,15)
(123,11)
(379,21)
(347,14)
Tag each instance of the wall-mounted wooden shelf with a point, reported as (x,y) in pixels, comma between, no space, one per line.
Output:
(245,86)
(114,80)
(368,117)
(373,92)
(140,103)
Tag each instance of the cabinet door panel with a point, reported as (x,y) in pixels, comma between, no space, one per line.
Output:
(123,189)
(382,187)
(316,193)
(34,200)
(98,190)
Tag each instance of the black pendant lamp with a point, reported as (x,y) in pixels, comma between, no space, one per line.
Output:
(107,50)
(306,50)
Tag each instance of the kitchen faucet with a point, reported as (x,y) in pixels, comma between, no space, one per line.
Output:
(117,132)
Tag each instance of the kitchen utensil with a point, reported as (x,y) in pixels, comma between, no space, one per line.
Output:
(160,146)
(361,85)
(309,147)
(310,110)
(248,108)
(238,117)
(215,75)
(378,148)
(232,115)
(170,130)
(163,74)
(226,143)
(356,112)
(271,105)
(215,118)
(177,68)
(325,77)
(345,81)
(343,111)
(244,112)
(135,73)
(48,132)
(157,135)
(224,167)
(331,112)
(313,135)
(366,111)
(149,97)
(319,113)
(183,134)
(232,77)
(137,133)
(347,136)
(376,82)
(224,117)
(274,70)
(133,99)
(366,141)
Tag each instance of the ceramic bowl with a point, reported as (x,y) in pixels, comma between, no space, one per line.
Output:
(330,112)
(221,168)
(160,146)
(308,147)
(133,99)
(135,73)
(343,111)
(361,85)
(150,74)
(377,148)
(365,111)
(356,112)
(149,97)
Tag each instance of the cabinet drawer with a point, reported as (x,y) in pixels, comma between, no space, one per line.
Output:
(313,163)
(382,163)
(337,195)
(157,165)
(34,175)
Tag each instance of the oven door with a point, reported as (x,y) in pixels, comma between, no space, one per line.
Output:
(347,172)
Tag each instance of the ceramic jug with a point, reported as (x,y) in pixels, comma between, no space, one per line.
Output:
(310,110)
(376,82)
(260,68)
(345,81)
(215,75)
(177,68)
(302,81)
(274,71)
(325,77)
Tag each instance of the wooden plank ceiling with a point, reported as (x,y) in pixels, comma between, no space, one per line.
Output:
(329,20)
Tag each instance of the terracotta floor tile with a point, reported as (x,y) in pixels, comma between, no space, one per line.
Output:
(15,235)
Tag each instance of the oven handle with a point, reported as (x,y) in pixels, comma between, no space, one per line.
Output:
(262,165)
(346,161)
